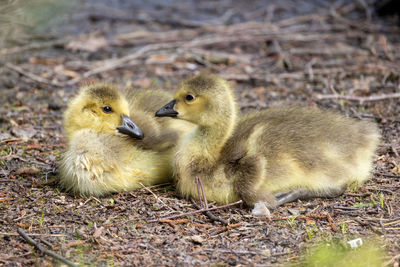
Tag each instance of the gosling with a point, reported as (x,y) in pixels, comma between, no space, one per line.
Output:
(265,158)
(108,152)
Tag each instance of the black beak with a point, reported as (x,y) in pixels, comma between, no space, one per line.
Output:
(130,128)
(167,110)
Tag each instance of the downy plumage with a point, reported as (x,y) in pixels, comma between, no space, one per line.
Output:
(268,157)
(107,151)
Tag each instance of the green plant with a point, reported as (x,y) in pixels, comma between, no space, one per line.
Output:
(343,227)
(19,19)
(310,231)
(339,254)
(382,199)
(41,219)
(341,101)
(292,221)
(372,203)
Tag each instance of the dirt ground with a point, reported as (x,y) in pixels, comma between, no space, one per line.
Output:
(336,55)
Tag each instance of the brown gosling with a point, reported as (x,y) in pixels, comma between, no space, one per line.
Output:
(265,158)
(107,152)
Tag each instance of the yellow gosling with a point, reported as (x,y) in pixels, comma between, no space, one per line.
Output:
(107,152)
(265,158)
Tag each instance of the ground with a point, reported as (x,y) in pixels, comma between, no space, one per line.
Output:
(331,55)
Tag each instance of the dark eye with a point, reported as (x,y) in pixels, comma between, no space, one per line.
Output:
(107,109)
(189,97)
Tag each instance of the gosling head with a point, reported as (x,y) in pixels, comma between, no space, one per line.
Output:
(102,108)
(204,100)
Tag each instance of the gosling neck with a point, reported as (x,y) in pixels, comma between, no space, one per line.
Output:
(207,141)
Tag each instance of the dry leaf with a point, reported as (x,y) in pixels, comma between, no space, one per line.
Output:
(44,61)
(98,231)
(27,171)
(88,43)
(144,83)
(4,173)
(33,146)
(160,59)
(60,69)
(197,239)
(23,132)
(310,221)
(5,136)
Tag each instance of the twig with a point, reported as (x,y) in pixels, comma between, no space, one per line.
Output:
(226,228)
(212,217)
(390,223)
(9,51)
(8,180)
(360,98)
(11,140)
(52,171)
(345,208)
(114,64)
(217,56)
(383,42)
(179,221)
(376,231)
(198,211)
(43,250)
(113,14)
(203,194)
(199,195)
(387,175)
(173,223)
(158,199)
(15,234)
(299,19)
(248,252)
(92,198)
(391,261)
(32,76)
(204,203)
(47,243)
(330,221)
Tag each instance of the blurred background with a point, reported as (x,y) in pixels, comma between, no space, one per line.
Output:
(341,55)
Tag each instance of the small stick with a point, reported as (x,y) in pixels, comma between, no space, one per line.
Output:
(226,228)
(387,175)
(212,217)
(32,76)
(47,243)
(172,224)
(15,234)
(162,202)
(391,261)
(9,51)
(376,231)
(360,98)
(199,194)
(198,211)
(174,221)
(383,42)
(203,193)
(43,250)
(330,221)
(109,65)
(10,140)
(204,203)
(8,180)
(52,171)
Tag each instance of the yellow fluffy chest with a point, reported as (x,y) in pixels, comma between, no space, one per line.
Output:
(218,188)
(97,165)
